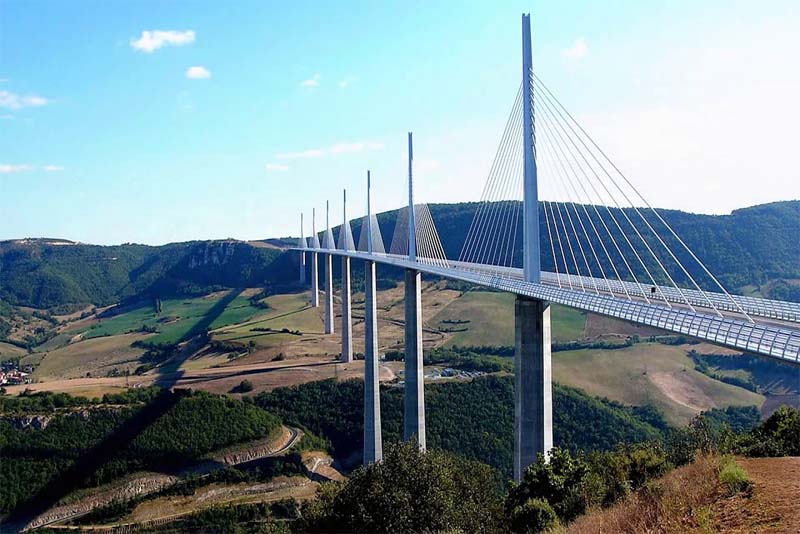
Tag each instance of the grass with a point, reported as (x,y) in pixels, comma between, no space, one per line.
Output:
(7,350)
(179,318)
(290,311)
(669,504)
(97,356)
(649,373)
(491,317)
(734,477)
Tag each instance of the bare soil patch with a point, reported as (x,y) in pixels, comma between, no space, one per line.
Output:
(680,387)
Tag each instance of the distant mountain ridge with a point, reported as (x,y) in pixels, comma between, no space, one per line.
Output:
(755,248)
(43,275)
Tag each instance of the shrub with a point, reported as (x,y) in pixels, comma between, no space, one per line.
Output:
(734,477)
(535,515)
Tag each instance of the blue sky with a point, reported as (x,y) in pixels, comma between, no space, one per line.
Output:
(240,116)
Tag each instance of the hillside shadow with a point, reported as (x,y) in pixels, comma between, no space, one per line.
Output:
(86,466)
(168,374)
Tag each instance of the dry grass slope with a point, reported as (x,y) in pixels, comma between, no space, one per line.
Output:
(692,499)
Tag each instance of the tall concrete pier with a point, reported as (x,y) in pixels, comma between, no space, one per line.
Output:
(328,244)
(533,390)
(533,397)
(414,407)
(329,293)
(373,441)
(414,412)
(347,319)
(314,261)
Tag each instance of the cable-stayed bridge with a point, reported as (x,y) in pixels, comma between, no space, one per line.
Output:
(557,222)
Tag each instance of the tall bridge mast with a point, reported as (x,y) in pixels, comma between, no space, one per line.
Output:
(533,388)
(531,259)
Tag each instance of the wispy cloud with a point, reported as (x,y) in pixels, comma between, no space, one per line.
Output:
(344,84)
(311,82)
(152,40)
(198,73)
(7,116)
(6,168)
(276,167)
(576,51)
(337,148)
(11,100)
(53,168)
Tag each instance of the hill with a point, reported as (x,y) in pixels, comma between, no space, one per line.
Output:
(732,246)
(473,418)
(64,277)
(49,273)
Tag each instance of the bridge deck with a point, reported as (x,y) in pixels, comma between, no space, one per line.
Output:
(775,332)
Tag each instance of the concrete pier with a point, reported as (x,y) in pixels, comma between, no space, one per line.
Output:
(314,280)
(533,390)
(373,442)
(329,293)
(414,412)
(347,320)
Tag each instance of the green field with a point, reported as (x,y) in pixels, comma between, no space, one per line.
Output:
(491,320)
(179,318)
(649,373)
(290,311)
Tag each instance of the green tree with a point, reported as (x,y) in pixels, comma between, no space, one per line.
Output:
(409,491)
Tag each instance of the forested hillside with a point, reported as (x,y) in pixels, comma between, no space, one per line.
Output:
(754,249)
(751,246)
(474,418)
(43,274)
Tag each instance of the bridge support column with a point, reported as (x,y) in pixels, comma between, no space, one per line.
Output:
(329,293)
(414,412)
(373,442)
(347,320)
(314,280)
(533,387)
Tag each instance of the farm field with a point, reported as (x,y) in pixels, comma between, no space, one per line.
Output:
(179,318)
(649,373)
(7,350)
(491,320)
(95,357)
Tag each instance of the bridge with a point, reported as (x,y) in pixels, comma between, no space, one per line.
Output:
(552,197)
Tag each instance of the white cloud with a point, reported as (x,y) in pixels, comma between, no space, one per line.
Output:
(277,167)
(6,168)
(311,82)
(344,84)
(152,40)
(336,148)
(198,73)
(577,51)
(11,100)
(53,168)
